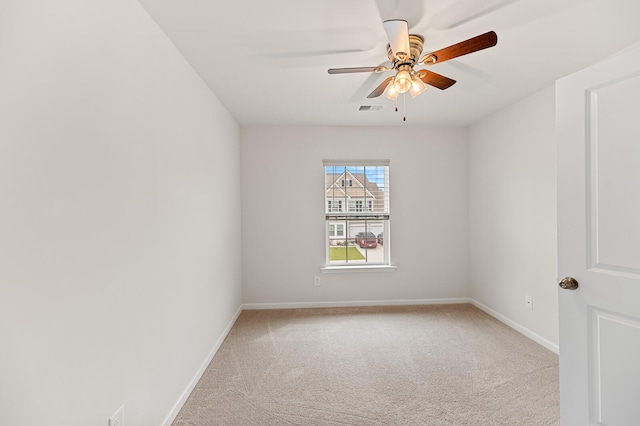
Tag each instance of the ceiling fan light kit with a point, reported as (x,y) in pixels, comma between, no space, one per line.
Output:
(402,81)
(404,52)
(417,86)
(390,92)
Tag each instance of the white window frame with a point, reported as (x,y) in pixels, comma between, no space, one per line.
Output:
(365,213)
(335,226)
(333,208)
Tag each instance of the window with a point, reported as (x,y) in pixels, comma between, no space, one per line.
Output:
(336,230)
(358,234)
(334,205)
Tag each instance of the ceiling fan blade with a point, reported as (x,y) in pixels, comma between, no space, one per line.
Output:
(380,89)
(474,44)
(356,69)
(398,34)
(435,80)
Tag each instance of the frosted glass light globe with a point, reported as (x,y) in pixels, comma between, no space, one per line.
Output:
(402,82)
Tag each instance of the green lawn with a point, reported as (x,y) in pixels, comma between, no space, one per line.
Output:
(341,253)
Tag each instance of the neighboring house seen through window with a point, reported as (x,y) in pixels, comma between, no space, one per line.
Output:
(336,230)
(334,205)
(357,212)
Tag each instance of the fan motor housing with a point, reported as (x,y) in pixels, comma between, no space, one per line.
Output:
(416,43)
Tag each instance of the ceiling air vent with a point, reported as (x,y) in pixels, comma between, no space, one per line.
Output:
(369,107)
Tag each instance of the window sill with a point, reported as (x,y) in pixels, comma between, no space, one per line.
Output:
(358,268)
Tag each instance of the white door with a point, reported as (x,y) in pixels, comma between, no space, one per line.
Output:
(598,147)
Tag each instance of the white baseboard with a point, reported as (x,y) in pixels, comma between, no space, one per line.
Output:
(523,330)
(194,381)
(354,303)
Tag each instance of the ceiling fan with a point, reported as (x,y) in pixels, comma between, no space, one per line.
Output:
(404,52)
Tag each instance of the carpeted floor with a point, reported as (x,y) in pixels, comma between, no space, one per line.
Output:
(401,365)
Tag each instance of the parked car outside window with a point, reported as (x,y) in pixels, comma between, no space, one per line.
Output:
(380,238)
(366,239)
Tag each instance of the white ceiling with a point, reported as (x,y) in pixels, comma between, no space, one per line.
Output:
(267,61)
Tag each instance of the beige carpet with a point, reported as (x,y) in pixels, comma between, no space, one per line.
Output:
(406,365)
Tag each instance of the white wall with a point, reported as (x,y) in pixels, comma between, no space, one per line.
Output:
(119,216)
(512,213)
(283,213)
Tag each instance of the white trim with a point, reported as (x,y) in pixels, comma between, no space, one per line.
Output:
(194,381)
(360,162)
(519,328)
(354,303)
(364,267)
(339,187)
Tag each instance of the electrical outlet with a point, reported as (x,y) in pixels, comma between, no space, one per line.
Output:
(528,300)
(316,280)
(118,417)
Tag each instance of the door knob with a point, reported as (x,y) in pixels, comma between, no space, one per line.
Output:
(568,283)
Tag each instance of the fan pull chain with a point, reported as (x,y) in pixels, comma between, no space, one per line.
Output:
(404,107)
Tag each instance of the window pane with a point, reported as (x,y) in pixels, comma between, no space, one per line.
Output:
(356,187)
(362,243)
(357,213)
